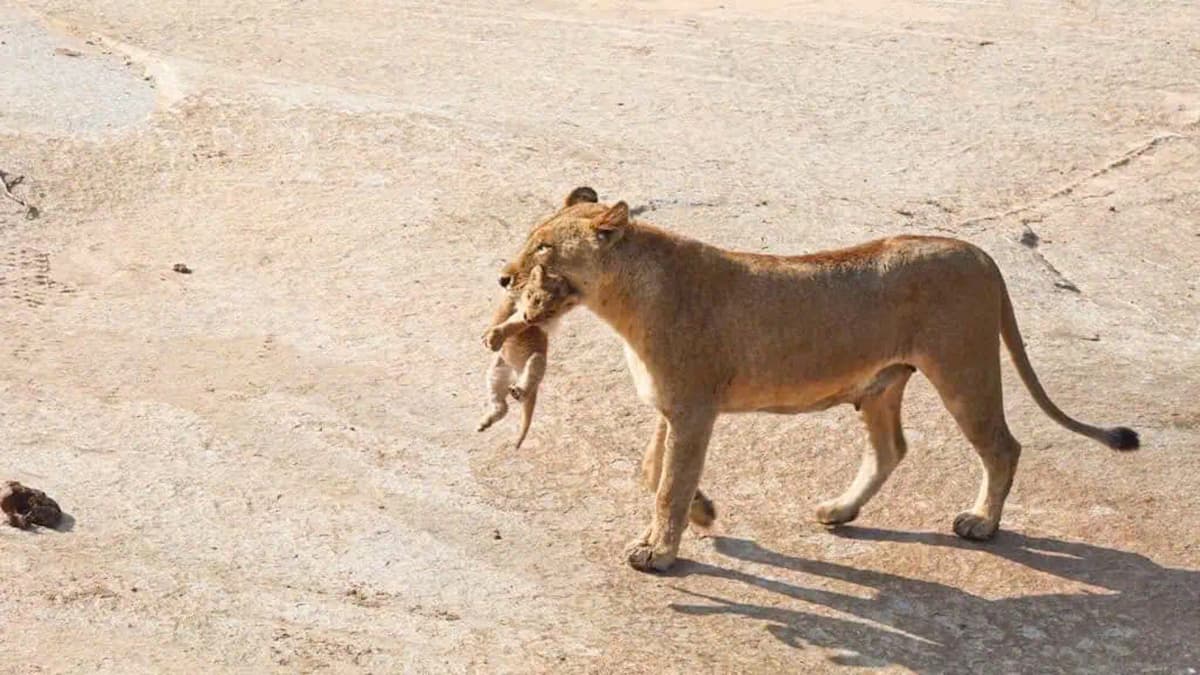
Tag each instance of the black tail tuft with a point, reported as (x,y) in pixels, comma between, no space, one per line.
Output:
(1122,438)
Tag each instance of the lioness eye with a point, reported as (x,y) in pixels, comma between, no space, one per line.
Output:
(542,248)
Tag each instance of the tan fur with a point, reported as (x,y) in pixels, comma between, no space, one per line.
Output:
(521,338)
(710,331)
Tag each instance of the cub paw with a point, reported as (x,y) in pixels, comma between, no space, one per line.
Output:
(493,339)
(645,557)
(833,512)
(970,526)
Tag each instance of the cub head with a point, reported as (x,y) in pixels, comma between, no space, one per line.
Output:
(545,296)
(575,244)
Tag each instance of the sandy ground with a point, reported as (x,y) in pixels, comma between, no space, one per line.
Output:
(270,463)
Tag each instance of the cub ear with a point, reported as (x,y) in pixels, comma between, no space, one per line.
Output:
(612,223)
(537,275)
(581,194)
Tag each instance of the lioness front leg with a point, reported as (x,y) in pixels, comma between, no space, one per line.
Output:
(652,460)
(683,461)
(702,512)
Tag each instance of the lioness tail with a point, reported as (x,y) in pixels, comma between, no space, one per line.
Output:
(1117,438)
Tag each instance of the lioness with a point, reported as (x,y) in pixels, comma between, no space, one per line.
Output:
(522,345)
(709,331)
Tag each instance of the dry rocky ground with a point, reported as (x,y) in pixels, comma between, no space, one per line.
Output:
(270,463)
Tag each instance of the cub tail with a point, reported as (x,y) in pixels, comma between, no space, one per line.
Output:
(528,401)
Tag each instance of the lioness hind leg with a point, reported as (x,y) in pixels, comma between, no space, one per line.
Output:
(702,512)
(881,413)
(974,398)
(999,461)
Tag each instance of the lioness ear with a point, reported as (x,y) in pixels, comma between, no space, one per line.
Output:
(611,224)
(581,194)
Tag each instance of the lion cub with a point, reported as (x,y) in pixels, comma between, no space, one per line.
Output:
(522,341)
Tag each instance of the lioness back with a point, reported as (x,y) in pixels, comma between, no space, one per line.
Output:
(832,318)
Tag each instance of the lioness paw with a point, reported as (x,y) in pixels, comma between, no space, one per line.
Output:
(834,512)
(971,526)
(645,557)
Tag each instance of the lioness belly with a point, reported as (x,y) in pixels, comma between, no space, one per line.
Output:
(803,397)
(812,396)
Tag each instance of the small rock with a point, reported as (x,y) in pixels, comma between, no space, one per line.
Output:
(1030,238)
(181,268)
(1031,632)
(496,535)
(67,51)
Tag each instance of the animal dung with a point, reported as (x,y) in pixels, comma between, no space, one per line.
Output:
(25,507)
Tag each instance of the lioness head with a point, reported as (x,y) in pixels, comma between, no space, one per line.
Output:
(573,244)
